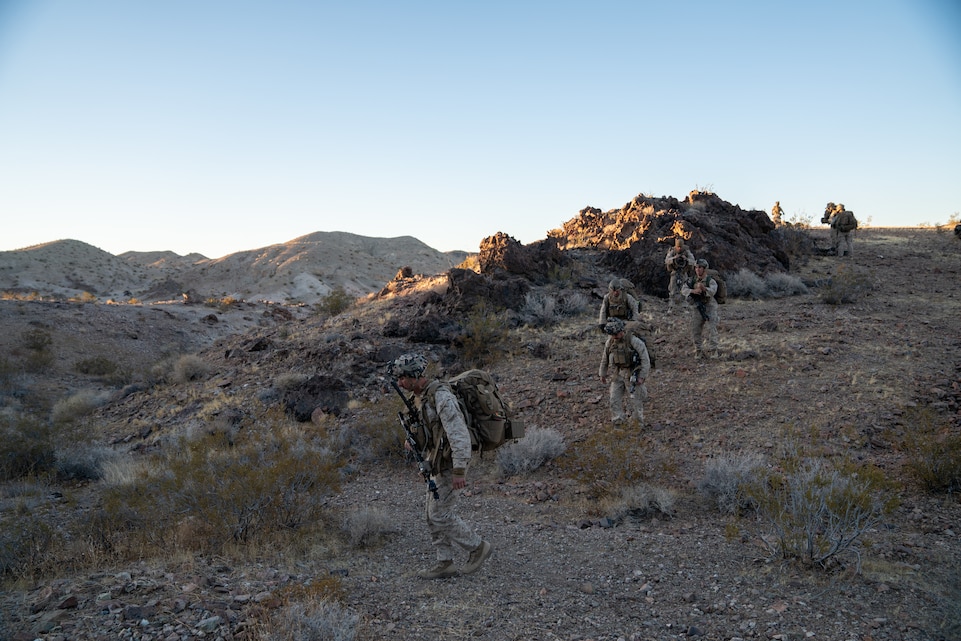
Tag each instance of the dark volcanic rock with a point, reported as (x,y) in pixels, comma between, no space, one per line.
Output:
(640,233)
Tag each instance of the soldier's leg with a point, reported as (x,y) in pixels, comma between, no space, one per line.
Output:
(617,395)
(446,528)
(712,331)
(697,327)
(638,398)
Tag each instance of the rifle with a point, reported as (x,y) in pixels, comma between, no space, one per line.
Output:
(409,421)
(702,308)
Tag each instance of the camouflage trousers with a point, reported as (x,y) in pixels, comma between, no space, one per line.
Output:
(447,530)
(621,387)
(698,325)
(835,237)
(845,244)
(674,289)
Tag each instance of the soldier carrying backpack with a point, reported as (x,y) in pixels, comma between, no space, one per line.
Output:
(441,437)
(844,223)
(618,303)
(626,363)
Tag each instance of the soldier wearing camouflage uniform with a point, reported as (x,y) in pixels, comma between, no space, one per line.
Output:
(699,292)
(830,211)
(680,263)
(617,303)
(845,241)
(623,357)
(448,453)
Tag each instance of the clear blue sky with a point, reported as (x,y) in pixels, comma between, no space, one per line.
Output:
(216,126)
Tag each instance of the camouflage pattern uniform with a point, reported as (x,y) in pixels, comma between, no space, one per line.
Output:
(844,245)
(678,274)
(617,304)
(448,452)
(830,211)
(617,364)
(698,322)
(776,213)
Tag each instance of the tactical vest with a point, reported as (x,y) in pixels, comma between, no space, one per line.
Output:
(618,308)
(620,353)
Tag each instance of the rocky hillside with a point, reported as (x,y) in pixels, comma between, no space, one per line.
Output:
(302,270)
(851,382)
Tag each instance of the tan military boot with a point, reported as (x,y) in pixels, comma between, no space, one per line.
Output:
(476,558)
(442,570)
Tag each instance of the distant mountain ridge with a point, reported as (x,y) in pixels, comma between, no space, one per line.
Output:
(302,270)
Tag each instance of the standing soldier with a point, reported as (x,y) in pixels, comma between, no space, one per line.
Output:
(626,362)
(843,224)
(617,303)
(776,213)
(680,263)
(700,291)
(828,219)
(448,453)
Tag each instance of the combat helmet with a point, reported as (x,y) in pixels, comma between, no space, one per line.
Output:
(614,326)
(413,365)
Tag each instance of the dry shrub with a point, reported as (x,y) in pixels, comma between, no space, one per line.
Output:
(638,502)
(725,480)
(538,446)
(27,447)
(847,285)
(934,452)
(366,526)
(814,511)
(25,543)
(312,619)
(611,459)
(77,405)
(269,479)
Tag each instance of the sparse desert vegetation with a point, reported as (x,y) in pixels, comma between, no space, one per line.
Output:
(805,485)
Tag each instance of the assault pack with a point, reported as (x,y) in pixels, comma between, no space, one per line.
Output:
(721,294)
(489,419)
(644,332)
(846,222)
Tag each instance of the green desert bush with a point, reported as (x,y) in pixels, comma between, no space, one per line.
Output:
(814,511)
(725,480)
(335,302)
(538,446)
(539,309)
(485,336)
(264,481)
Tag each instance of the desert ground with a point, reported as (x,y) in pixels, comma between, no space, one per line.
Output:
(850,381)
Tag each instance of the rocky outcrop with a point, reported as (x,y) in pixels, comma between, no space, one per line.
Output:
(639,234)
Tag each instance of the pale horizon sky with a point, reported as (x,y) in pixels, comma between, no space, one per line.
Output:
(216,127)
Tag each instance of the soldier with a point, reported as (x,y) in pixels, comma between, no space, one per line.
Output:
(776,213)
(699,292)
(680,263)
(626,362)
(828,219)
(617,303)
(843,224)
(448,454)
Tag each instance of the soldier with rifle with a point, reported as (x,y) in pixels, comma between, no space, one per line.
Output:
(437,434)
(699,292)
(680,263)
